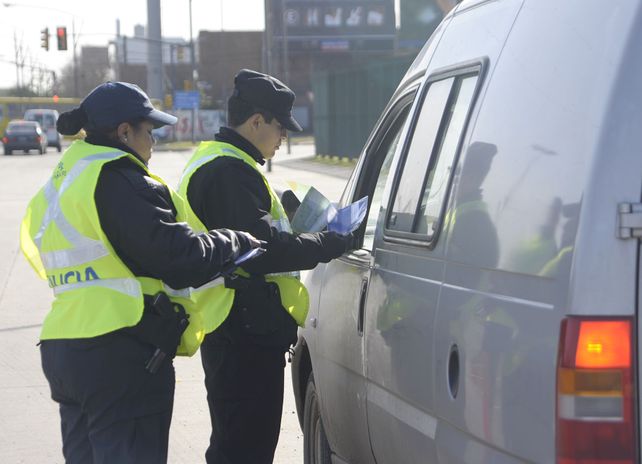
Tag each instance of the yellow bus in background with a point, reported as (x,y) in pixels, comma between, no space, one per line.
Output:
(15,107)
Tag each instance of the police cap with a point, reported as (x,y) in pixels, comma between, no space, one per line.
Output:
(112,103)
(267,93)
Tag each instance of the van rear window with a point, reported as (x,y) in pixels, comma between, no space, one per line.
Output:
(46,120)
(21,129)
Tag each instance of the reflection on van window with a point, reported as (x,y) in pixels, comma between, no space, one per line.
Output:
(431,155)
(442,165)
(418,156)
(386,151)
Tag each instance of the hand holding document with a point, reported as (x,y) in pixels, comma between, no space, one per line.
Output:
(348,219)
(316,213)
(248,256)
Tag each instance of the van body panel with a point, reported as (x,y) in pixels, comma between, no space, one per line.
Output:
(336,307)
(419,65)
(614,176)
(338,367)
(403,295)
(504,312)
(455,446)
(542,165)
(501,341)
(402,299)
(460,342)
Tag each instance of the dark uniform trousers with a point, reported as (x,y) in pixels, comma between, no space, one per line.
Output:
(112,410)
(244,361)
(245,397)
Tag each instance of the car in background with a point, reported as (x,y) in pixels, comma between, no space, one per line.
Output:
(47,119)
(24,135)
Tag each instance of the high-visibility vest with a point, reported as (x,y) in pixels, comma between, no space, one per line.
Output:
(215,299)
(61,237)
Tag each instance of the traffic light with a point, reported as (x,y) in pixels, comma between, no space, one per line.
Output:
(180,54)
(44,38)
(61,34)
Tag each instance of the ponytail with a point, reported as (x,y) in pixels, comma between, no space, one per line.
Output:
(70,122)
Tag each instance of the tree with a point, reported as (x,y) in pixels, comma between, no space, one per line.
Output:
(91,72)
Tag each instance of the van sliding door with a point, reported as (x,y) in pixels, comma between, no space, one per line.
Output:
(406,278)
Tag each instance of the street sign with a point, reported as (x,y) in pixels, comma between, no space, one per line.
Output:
(187,99)
(335,25)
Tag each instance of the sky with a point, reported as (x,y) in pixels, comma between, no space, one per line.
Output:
(95,24)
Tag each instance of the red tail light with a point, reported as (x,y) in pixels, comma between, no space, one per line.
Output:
(596,415)
(5,139)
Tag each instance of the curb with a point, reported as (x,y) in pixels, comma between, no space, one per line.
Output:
(333,159)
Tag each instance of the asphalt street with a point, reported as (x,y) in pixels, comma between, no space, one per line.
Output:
(29,421)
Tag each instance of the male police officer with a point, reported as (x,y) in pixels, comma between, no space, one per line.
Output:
(259,310)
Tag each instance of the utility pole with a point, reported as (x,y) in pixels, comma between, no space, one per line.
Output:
(268,49)
(117,46)
(125,50)
(286,58)
(15,48)
(172,64)
(193,61)
(154,50)
(267,40)
(75,60)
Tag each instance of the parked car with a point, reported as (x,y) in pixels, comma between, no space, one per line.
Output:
(24,135)
(47,119)
(490,313)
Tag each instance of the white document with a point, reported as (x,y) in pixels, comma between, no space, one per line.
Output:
(314,213)
(317,213)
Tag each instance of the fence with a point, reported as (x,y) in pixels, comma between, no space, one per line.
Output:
(348,103)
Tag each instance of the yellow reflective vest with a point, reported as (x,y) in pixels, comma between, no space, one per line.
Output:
(61,237)
(214,299)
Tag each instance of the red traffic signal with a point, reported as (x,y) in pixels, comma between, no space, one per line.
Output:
(61,34)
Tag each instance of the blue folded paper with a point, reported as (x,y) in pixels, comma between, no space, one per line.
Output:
(349,218)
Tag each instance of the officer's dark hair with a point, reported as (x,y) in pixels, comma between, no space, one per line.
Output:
(70,123)
(239,111)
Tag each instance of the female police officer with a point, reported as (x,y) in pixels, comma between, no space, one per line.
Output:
(108,235)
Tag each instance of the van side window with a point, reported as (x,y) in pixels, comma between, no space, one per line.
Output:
(385,151)
(436,183)
(418,156)
(431,156)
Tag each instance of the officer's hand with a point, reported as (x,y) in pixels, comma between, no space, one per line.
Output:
(233,243)
(248,242)
(334,244)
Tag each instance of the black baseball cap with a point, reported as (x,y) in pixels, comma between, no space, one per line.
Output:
(267,93)
(113,103)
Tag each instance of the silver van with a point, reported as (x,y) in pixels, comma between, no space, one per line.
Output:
(490,314)
(47,119)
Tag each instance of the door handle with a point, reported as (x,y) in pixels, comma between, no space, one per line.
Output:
(362,306)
